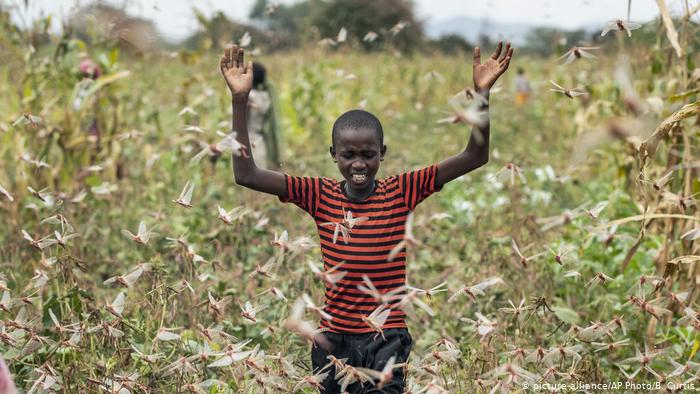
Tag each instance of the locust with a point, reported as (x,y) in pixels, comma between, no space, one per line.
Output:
(619,25)
(377,318)
(571,93)
(143,234)
(578,52)
(477,289)
(185,199)
(330,276)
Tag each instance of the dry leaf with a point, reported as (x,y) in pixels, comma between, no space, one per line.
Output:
(671,32)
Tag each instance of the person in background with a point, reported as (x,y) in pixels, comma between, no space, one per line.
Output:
(89,72)
(522,88)
(262,122)
(89,69)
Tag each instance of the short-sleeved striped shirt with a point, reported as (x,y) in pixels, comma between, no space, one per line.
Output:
(369,243)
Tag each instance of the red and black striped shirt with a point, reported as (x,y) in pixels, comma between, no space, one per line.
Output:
(369,241)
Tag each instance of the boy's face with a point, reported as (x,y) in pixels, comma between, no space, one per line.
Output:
(358,153)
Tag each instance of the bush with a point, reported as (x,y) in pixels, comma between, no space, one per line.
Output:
(380,16)
(451,44)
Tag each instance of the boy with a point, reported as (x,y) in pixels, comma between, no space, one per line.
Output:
(380,207)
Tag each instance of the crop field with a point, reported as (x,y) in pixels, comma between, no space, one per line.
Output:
(572,256)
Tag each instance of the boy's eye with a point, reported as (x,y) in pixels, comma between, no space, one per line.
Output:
(346,155)
(368,155)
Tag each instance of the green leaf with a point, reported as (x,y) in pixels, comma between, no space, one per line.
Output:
(106,80)
(28,92)
(93,180)
(696,345)
(689,61)
(566,315)
(80,44)
(54,305)
(113,56)
(75,301)
(684,95)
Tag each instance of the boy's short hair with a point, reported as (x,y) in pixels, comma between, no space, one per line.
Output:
(357,119)
(259,74)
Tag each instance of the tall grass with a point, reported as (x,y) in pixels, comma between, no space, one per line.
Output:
(139,164)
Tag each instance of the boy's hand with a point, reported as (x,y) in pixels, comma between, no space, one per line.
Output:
(238,75)
(486,74)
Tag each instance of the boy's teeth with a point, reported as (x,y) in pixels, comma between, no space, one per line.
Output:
(359,177)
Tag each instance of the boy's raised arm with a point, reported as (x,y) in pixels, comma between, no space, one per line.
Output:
(476,154)
(239,77)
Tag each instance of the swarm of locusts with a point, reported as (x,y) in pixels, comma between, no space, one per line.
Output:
(131,263)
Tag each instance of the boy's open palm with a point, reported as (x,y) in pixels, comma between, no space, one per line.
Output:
(486,73)
(238,74)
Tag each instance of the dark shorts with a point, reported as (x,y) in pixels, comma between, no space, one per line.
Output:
(364,350)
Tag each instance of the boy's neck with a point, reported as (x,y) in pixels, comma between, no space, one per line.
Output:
(362,195)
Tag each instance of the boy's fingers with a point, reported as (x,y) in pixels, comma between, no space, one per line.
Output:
(233,50)
(477,56)
(497,53)
(506,52)
(241,64)
(249,67)
(227,55)
(222,64)
(505,64)
(507,55)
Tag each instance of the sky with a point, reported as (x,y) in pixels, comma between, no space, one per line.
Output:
(174,18)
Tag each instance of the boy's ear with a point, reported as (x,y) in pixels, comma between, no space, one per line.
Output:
(332,151)
(382,152)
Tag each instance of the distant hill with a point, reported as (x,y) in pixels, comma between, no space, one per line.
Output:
(470,28)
